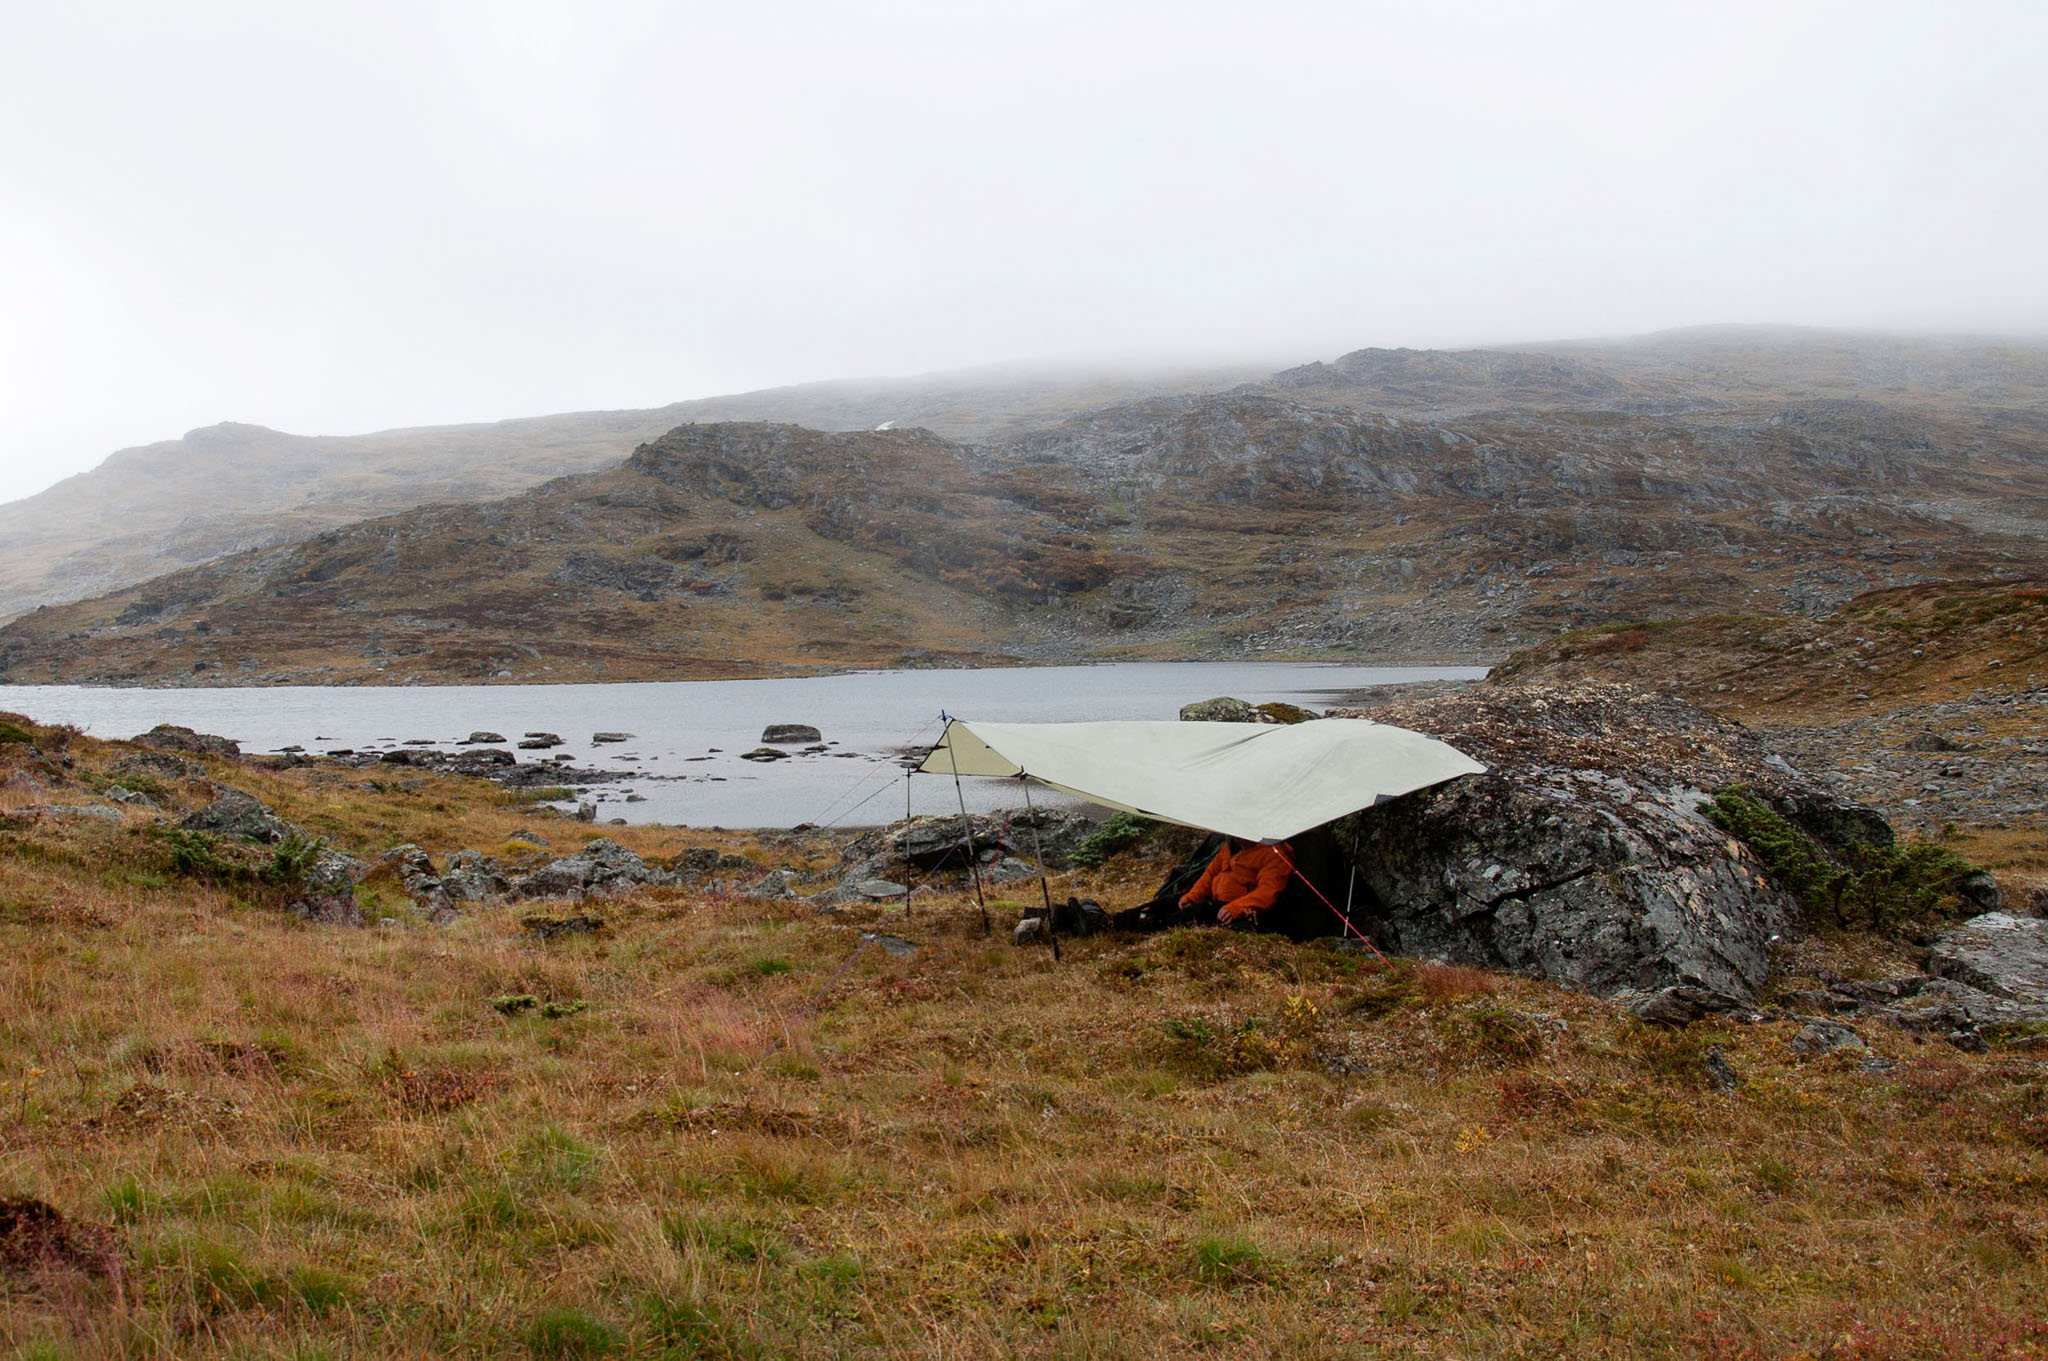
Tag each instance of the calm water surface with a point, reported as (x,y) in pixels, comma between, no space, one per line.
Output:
(687,735)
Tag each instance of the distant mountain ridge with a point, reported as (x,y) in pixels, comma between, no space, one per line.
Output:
(228,487)
(1266,519)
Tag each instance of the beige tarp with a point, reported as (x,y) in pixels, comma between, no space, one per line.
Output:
(1252,780)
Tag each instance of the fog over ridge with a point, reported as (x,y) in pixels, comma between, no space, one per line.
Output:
(399,215)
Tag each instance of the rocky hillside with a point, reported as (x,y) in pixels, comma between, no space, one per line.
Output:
(225,488)
(1244,523)
(1925,701)
(1880,652)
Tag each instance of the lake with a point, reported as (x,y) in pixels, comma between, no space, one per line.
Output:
(683,759)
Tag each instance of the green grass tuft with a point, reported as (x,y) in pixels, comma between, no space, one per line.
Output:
(570,1334)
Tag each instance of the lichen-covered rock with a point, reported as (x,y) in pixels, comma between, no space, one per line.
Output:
(773,885)
(234,813)
(1825,1037)
(1222,709)
(1996,953)
(930,842)
(473,877)
(601,869)
(1010,870)
(326,893)
(1582,854)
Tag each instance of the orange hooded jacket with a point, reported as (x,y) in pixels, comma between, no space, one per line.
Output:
(1244,882)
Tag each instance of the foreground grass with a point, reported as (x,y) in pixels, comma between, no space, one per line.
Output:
(315,1141)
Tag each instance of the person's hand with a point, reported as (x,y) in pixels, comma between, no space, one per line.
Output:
(1186,902)
(1227,914)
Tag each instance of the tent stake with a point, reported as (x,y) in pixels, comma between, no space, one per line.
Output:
(973,860)
(1038,849)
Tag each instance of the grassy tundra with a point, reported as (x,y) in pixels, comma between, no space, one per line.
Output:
(709,1134)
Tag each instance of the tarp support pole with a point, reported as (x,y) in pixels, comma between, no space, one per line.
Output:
(1038,849)
(1296,872)
(967,823)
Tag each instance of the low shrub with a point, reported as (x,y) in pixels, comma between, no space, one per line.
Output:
(1894,889)
(1118,832)
(1503,1034)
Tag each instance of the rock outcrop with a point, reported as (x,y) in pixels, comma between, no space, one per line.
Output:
(326,892)
(1582,854)
(171,737)
(603,868)
(1005,847)
(1996,953)
(236,814)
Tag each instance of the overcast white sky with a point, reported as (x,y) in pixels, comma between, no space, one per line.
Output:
(342,217)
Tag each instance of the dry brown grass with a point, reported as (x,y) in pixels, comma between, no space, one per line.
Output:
(314,1141)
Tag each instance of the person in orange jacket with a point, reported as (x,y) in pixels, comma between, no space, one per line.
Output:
(1243,880)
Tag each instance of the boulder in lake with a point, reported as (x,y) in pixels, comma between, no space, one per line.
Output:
(539,741)
(791,734)
(764,754)
(482,737)
(602,738)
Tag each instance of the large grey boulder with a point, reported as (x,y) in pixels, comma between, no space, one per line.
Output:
(1996,953)
(1567,877)
(1582,855)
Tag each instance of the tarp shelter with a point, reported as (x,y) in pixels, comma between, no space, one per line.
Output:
(1261,782)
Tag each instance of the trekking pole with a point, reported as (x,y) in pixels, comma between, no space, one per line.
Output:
(1038,849)
(973,860)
